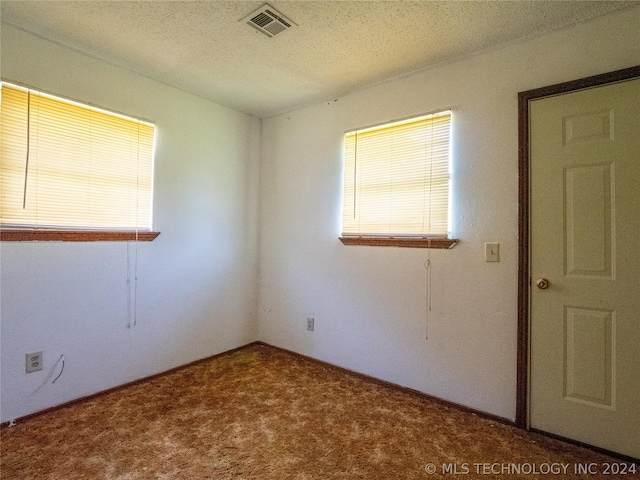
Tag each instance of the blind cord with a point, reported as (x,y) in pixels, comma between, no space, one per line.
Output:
(135,271)
(132,299)
(427,266)
(132,290)
(61,370)
(430,134)
(128,288)
(26,166)
(355,177)
(135,282)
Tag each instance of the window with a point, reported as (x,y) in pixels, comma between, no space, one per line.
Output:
(396,183)
(72,169)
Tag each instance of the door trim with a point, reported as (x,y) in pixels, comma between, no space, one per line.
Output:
(522,378)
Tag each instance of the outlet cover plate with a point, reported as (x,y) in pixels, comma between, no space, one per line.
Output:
(34,361)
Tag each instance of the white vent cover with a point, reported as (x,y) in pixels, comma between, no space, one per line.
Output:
(268,21)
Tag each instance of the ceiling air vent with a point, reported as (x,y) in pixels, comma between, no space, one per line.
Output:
(269,21)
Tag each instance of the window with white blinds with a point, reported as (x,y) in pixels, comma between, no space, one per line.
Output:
(70,166)
(396,180)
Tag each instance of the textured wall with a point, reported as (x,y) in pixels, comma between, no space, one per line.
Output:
(369,303)
(198,282)
(197,289)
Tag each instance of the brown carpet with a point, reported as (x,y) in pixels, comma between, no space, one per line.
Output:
(262,413)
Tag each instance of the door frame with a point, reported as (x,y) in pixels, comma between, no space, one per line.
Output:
(524,220)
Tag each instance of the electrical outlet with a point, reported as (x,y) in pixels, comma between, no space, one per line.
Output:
(310,323)
(34,362)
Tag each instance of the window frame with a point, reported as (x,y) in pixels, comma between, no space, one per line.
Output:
(51,235)
(399,241)
(435,241)
(26,233)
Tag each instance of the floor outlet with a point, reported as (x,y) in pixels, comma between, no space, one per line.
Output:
(310,323)
(34,362)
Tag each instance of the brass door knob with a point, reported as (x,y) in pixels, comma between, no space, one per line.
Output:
(542,283)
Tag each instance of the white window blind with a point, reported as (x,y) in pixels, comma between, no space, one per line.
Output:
(397,178)
(67,165)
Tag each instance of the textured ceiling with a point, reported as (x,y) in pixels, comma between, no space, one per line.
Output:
(336,47)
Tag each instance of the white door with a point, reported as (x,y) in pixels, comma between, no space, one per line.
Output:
(585,241)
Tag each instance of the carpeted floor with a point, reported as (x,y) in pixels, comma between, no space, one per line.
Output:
(262,413)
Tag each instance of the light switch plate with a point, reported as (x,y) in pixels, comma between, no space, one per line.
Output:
(491,252)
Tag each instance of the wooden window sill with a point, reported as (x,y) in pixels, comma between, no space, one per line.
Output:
(75,236)
(409,242)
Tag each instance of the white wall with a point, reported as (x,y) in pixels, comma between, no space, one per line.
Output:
(197,283)
(197,289)
(369,303)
